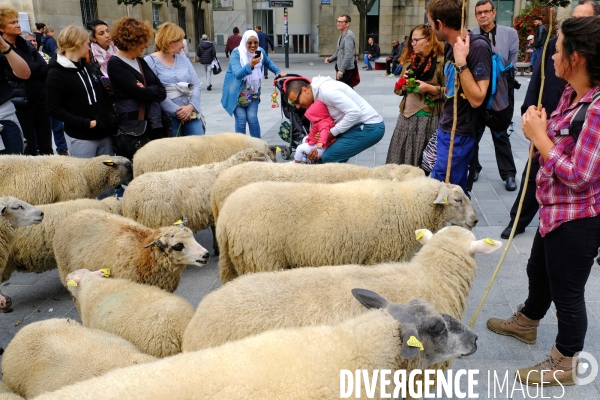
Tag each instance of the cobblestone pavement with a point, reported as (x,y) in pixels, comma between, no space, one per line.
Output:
(41,296)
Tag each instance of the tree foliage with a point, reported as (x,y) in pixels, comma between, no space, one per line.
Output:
(524,23)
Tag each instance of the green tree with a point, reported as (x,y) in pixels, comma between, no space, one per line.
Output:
(363,6)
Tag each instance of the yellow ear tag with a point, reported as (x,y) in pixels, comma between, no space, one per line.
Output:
(106,272)
(414,342)
(71,282)
(419,235)
(278,149)
(178,222)
(445,200)
(109,162)
(489,241)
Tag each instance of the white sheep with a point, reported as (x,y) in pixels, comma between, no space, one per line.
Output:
(96,239)
(147,316)
(192,151)
(441,273)
(158,199)
(50,179)
(267,226)
(32,249)
(301,363)
(234,178)
(47,355)
(7,394)
(14,213)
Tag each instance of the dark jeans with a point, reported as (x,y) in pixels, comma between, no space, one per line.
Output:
(530,204)
(345,77)
(558,269)
(390,66)
(11,137)
(35,122)
(58,130)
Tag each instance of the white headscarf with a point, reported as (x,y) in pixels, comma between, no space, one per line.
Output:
(253,80)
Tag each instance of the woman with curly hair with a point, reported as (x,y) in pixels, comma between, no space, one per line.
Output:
(128,71)
(423,61)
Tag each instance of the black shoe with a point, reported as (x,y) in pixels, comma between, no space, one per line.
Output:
(475,176)
(209,87)
(506,233)
(511,184)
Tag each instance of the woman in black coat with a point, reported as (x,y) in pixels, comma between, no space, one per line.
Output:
(207,53)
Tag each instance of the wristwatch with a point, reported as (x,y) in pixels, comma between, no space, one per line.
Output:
(461,68)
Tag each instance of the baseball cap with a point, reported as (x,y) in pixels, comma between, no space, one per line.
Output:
(530,37)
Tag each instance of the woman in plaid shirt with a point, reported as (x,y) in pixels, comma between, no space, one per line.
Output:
(568,192)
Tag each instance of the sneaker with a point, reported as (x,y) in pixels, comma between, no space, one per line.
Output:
(209,87)
(62,152)
(392,75)
(385,74)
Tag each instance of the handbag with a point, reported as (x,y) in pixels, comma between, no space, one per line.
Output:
(354,75)
(216,67)
(131,135)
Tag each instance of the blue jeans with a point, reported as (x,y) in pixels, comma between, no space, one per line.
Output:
(191,128)
(535,55)
(461,156)
(367,60)
(11,136)
(247,114)
(353,141)
(58,131)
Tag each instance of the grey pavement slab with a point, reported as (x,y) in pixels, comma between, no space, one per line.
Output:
(41,296)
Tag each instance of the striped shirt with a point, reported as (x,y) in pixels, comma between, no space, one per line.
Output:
(568,182)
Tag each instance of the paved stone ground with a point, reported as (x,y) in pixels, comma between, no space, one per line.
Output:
(41,296)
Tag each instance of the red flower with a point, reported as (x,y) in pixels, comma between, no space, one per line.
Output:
(401,82)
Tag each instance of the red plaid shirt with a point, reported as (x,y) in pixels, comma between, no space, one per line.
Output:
(568,182)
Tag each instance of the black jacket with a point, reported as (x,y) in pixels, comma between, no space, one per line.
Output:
(373,50)
(206,52)
(396,52)
(76,97)
(540,37)
(35,87)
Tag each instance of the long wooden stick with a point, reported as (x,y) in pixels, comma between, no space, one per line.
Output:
(514,228)
(455,109)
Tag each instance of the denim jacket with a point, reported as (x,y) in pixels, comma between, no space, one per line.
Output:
(232,85)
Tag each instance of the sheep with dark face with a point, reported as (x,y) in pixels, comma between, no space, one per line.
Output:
(96,239)
(300,363)
(358,222)
(50,179)
(14,213)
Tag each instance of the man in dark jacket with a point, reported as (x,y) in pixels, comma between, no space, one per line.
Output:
(538,40)
(206,53)
(391,62)
(263,41)
(371,54)
(29,95)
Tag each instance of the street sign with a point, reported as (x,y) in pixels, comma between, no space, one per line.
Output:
(281,3)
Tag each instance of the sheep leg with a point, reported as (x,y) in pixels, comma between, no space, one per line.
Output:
(215,243)
(5,303)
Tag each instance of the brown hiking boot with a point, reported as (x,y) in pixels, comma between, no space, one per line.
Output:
(557,370)
(518,326)
(63,152)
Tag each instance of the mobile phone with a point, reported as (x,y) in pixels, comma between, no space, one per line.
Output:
(258,54)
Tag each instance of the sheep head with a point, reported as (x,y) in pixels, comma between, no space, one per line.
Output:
(458,209)
(437,337)
(19,213)
(180,247)
(455,238)
(122,166)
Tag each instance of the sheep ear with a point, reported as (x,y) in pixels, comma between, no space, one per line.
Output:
(411,345)
(2,210)
(443,193)
(485,246)
(109,163)
(423,235)
(157,242)
(369,299)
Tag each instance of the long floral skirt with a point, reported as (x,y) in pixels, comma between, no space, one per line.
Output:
(410,137)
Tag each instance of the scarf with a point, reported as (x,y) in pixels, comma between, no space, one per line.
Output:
(423,68)
(254,80)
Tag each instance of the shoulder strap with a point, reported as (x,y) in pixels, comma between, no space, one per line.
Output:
(142,104)
(576,124)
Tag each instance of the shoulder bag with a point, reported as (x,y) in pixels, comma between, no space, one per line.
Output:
(131,135)
(216,67)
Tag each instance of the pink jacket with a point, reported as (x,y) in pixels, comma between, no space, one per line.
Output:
(321,122)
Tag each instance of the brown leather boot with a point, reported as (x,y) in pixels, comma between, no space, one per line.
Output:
(518,326)
(556,368)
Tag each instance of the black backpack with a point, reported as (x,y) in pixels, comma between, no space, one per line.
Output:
(576,124)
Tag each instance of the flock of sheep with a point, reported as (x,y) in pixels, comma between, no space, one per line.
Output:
(274,330)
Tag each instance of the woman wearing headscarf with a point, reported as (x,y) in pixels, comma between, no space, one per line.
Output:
(241,88)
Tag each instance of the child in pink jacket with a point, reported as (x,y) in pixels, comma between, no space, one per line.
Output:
(321,123)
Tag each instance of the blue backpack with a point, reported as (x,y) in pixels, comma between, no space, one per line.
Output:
(499,103)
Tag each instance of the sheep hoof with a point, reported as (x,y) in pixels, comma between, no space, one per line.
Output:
(7,304)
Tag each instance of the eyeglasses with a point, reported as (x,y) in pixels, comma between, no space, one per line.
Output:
(483,12)
(414,41)
(342,22)
(251,43)
(295,102)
